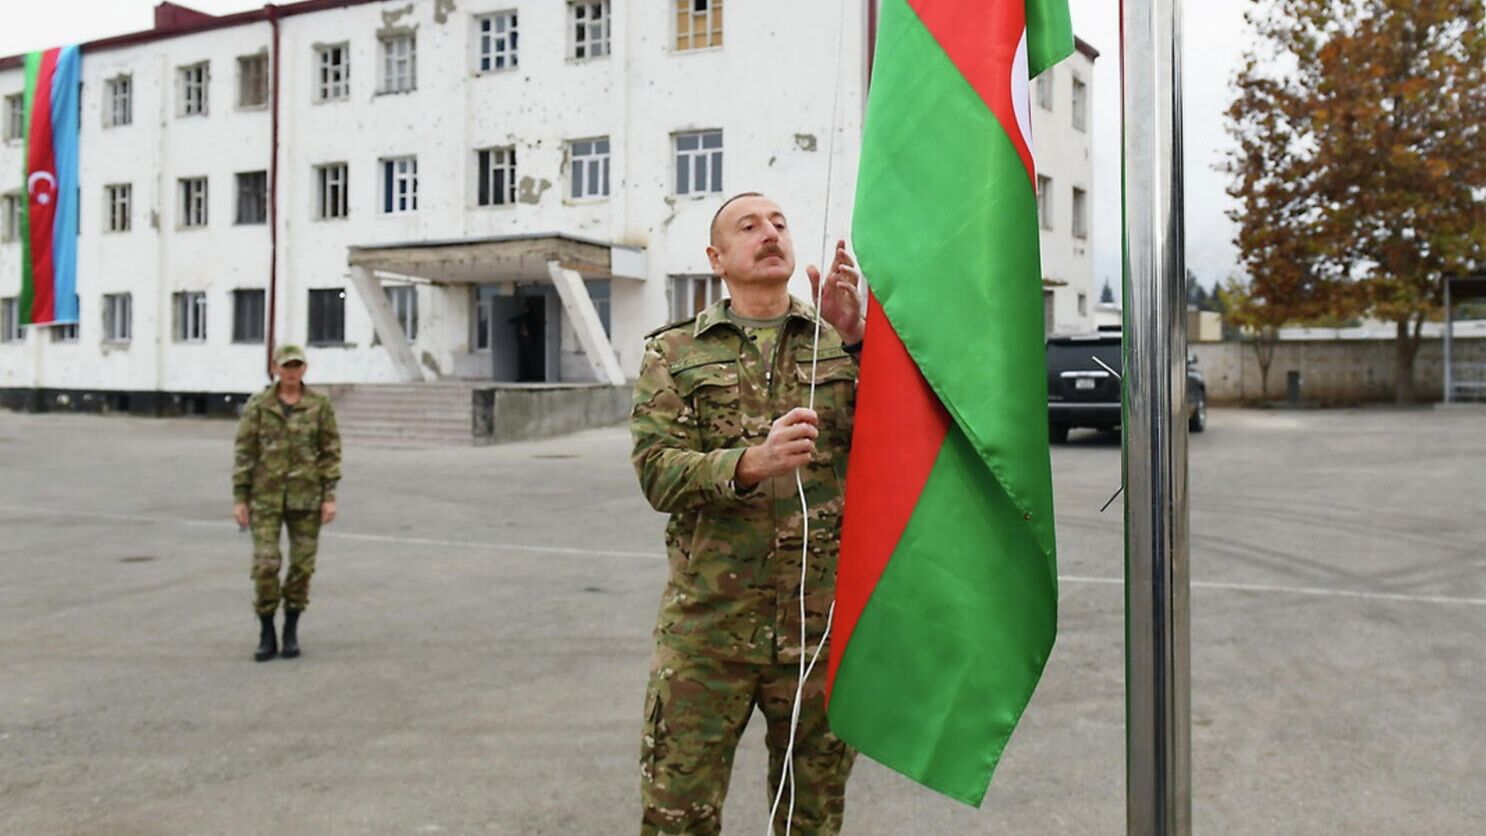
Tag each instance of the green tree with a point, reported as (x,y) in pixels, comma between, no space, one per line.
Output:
(1361,160)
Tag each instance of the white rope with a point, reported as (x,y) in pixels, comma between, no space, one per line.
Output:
(787,771)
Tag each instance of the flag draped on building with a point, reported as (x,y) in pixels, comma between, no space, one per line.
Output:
(946,603)
(49,214)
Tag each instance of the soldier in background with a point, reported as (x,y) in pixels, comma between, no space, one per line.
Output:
(286,464)
(720,428)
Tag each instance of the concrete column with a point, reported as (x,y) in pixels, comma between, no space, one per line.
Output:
(384,321)
(586,323)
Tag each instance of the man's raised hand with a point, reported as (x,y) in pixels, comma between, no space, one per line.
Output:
(840,300)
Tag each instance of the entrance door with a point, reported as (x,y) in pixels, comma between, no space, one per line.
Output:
(530,328)
(505,349)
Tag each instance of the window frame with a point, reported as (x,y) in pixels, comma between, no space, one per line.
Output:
(1079,103)
(15,118)
(118,318)
(241,179)
(713,27)
(323,191)
(1045,202)
(486,49)
(187,219)
(403,298)
(265,81)
(704,160)
(10,217)
(488,192)
(119,95)
(337,89)
(1046,89)
(188,316)
(118,207)
(1080,207)
(185,83)
(683,290)
(311,322)
(580,31)
(240,335)
(593,161)
(393,78)
(11,329)
(392,179)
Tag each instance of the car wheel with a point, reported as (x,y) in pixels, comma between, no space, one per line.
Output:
(1198,420)
(1057,433)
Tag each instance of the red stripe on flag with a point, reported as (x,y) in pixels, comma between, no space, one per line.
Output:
(981,38)
(41,192)
(900,426)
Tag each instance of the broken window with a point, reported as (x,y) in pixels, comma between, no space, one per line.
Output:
(399,63)
(118,198)
(496,168)
(120,111)
(190,316)
(496,41)
(330,180)
(193,202)
(590,27)
(192,90)
(698,24)
(334,80)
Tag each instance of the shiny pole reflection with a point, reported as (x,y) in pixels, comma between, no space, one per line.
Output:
(1157,649)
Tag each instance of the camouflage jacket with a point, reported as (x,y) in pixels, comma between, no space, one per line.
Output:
(704,395)
(290,462)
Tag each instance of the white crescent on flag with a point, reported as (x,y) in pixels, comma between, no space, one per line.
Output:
(44,197)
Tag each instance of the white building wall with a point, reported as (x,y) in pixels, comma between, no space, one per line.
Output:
(770,89)
(1065,154)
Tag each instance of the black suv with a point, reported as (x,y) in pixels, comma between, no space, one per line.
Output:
(1083,393)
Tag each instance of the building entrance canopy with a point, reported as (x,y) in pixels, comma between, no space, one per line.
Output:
(563,260)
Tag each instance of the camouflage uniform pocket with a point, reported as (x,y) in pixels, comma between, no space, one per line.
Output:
(712,391)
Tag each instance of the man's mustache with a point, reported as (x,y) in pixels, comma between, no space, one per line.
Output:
(770,251)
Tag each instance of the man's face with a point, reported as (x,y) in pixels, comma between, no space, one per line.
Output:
(291,372)
(751,243)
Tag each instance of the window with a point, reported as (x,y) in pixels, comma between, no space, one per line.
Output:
(331,181)
(10,217)
(252,80)
(496,43)
(1083,304)
(11,329)
(599,294)
(1080,213)
(247,316)
(334,80)
(116,204)
(190,316)
(193,202)
(1047,311)
(497,172)
(118,316)
(482,314)
(1045,90)
(15,116)
(400,185)
(690,295)
(399,64)
(1045,201)
(1079,103)
(252,197)
(404,299)
(698,24)
(590,168)
(64,333)
(699,162)
(191,85)
(120,93)
(327,317)
(589,23)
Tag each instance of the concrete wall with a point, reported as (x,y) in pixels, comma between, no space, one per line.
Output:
(522,413)
(1332,371)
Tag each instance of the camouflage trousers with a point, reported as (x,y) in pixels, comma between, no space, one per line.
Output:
(696,708)
(304,536)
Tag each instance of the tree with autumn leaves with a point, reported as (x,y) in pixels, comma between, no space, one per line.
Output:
(1360,170)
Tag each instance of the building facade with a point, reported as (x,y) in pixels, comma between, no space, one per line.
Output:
(495,190)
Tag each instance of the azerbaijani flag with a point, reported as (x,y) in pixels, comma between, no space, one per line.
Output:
(49,217)
(947,593)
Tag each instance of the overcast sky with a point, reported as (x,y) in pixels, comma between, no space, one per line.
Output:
(1214,37)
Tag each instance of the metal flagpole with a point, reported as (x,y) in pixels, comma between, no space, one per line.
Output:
(1157,648)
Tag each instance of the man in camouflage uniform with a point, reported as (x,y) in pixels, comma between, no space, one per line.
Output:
(720,429)
(286,464)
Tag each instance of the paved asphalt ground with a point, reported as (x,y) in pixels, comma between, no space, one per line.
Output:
(476,652)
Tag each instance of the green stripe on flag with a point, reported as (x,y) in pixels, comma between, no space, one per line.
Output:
(28,288)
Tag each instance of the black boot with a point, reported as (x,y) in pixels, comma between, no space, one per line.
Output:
(291,634)
(268,645)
